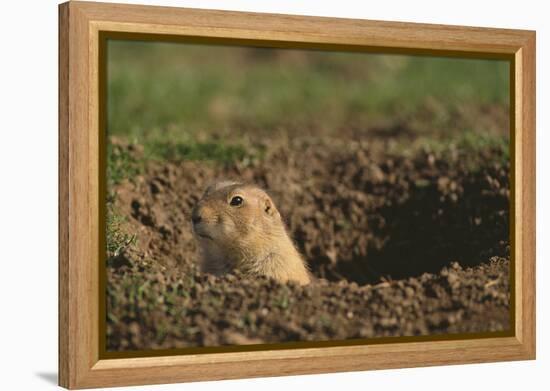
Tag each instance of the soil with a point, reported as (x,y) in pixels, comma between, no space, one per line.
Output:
(401,243)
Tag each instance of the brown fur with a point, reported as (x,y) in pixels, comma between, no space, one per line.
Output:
(250,237)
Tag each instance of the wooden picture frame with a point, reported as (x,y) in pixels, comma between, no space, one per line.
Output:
(81,25)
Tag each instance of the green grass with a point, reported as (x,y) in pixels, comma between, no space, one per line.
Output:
(121,164)
(467,141)
(471,146)
(476,142)
(117,239)
(217,152)
(161,91)
(126,162)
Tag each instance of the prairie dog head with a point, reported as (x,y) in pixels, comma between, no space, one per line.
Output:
(239,227)
(233,218)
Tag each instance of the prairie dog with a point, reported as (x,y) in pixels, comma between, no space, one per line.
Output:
(238,227)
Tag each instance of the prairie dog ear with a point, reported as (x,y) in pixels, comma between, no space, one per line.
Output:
(269,206)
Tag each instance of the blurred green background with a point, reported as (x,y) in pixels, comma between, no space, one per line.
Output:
(169,92)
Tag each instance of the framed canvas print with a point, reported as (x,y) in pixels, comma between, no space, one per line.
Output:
(249,195)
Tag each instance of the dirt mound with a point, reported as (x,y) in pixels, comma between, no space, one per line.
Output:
(155,308)
(359,213)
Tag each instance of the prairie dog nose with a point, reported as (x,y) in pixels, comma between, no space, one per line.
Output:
(196,216)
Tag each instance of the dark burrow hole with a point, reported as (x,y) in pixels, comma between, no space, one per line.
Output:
(425,233)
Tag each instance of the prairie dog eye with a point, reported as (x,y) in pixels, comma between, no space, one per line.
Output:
(236,201)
